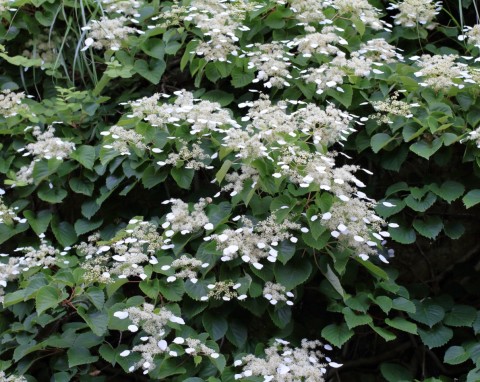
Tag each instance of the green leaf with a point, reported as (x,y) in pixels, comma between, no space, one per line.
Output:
(385,303)
(455,355)
(183,176)
(64,232)
(237,333)
(172,291)
(401,303)
(90,208)
(426,149)
(293,274)
(385,212)
(281,316)
(85,155)
(48,297)
(461,315)
(353,319)
(83,226)
(372,268)
(337,335)
(334,281)
(197,290)
(97,321)
(384,333)
(152,72)
(40,222)
(403,235)
(421,205)
(52,194)
(215,324)
(44,168)
(471,198)
(429,226)
(96,296)
(454,229)
(449,190)
(223,171)
(402,324)
(379,141)
(79,356)
(427,313)
(393,372)
(438,336)
(81,187)
(220,96)
(151,177)
(240,78)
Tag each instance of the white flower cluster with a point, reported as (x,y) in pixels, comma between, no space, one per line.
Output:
(136,247)
(320,42)
(43,256)
(43,46)
(122,140)
(471,35)
(414,12)
(310,11)
(153,322)
(108,33)
(252,243)
(3,376)
(356,225)
(225,290)
(283,363)
(185,268)
(11,103)
(200,115)
(474,136)
(7,214)
(47,146)
(182,219)
(192,156)
(5,5)
(441,72)
(125,7)
(392,106)
(362,9)
(276,293)
(272,63)
(218,20)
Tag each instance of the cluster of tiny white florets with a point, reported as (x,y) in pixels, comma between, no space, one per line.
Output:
(471,35)
(392,106)
(3,376)
(225,290)
(11,103)
(309,11)
(108,33)
(47,146)
(355,224)
(171,14)
(323,42)
(283,363)
(474,136)
(8,215)
(192,156)
(414,12)
(254,242)
(185,220)
(125,7)
(272,64)
(185,268)
(219,21)
(154,322)
(362,9)
(136,246)
(43,46)
(235,180)
(276,293)
(441,72)
(43,256)
(199,114)
(123,139)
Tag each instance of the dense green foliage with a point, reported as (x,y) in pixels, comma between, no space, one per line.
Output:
(187,186)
